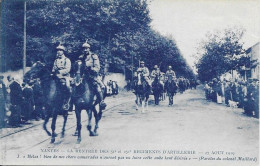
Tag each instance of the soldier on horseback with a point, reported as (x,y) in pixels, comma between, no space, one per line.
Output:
(91,71)
(170,74)
(171,84)
(145,71)
(156,73)
(61,71)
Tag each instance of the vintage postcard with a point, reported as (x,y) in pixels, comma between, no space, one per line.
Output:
(129,82)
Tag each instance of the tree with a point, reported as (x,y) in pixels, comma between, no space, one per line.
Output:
(222,51)
(117,30)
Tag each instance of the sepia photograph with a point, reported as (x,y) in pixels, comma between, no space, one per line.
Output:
(129,82)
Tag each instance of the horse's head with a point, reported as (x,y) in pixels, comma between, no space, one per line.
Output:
(78,72)
(140,78)
(78,66)
(37,70)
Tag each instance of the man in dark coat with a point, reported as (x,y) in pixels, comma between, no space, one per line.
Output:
(234,91)
(227,93)
(38,99)
(16,101)
(215,88)
(28,102)
(250,102)
(2,102)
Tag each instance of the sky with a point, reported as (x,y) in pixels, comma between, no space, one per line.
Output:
(188,21)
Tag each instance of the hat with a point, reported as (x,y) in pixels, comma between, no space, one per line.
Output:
(155,66)
(142,62)
(60,47)
(86,45)
(170,67)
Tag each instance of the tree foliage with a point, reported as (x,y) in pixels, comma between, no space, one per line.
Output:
(222,51)
(118,31)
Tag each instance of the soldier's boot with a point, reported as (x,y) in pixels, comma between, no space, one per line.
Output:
(101,84)
(102,104)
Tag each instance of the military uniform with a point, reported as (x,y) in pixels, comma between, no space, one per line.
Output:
(92,65)
(170,74)
(145,72)
(61,69)
(92,68)
(155,72)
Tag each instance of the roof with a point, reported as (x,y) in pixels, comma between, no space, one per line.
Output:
(250,48)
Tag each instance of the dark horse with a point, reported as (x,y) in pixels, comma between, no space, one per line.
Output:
(142,92)
(53,96)
(157,88)
(83,98)
(171,89)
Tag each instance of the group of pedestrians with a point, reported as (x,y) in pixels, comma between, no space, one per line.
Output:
(242,94)
(20,102)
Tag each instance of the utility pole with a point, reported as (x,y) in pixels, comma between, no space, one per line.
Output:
(24,40)
(132,69)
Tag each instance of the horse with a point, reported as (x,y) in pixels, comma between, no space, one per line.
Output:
(83,97)
(171,89)
(52,94)
(142,92)
(157,88)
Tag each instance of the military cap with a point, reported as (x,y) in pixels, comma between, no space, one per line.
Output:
(86,45)
(170,67)
(142,62)
(61,47)
(155,66)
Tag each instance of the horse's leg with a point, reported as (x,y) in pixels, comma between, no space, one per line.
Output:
(89,127)
(155,101)
(146,103)
(169,96)
(65,117)
(78,116)
(46,120)
(53,125)
(136,102)
(143,104)
(172,98)
(97,119)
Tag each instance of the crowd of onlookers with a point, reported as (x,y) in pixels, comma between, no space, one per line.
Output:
(20,102)
(241,94)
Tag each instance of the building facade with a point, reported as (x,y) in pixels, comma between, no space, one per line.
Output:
(254,53)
